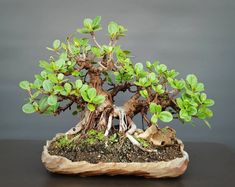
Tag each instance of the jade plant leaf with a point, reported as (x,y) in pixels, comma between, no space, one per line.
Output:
(28,108)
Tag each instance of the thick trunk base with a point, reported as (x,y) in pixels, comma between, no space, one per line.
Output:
(62,165)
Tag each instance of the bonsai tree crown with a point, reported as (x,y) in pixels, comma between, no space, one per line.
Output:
(89,75)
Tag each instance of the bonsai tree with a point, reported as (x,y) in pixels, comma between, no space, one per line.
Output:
(85,74)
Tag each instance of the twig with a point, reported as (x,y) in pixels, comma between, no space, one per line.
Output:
(94,39)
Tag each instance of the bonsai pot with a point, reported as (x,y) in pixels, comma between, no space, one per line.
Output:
(153,169)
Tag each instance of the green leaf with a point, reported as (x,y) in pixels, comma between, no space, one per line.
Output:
(179,102)
(159,89)
(209,113)
(192,80)
(43,74)
(78,83)
(84,30)
(44,64)
(149,65)
(91,107)
(75,73)
(60,63)
(84,95)
(36,94)
(144,93)
(183,113)
(209,102)
(87,23)
(52,78)
(152,77)
(139,67)
(98,99)
(203,97)
(43,103)
(199,87)
(84,87)
(67,87)
(47,85)
(56,44)
(52,109)
(24,85)
(52,100)
(58,89)
(60,76)
(96,51)
(38,83)
(96,21)
(154,119)
(180,84)
(113,28)
(91,92)
(154,108)
(64,56)
(192,111)
(28,108)
(165,116)
(161,68)
(76,41)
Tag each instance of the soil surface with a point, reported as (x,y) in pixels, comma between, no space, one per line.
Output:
(120,151)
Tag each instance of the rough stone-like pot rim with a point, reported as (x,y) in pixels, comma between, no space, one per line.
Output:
(62,165)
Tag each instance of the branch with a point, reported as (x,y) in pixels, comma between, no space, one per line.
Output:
(94,39)
(62,109)
(173,93)
(120,87)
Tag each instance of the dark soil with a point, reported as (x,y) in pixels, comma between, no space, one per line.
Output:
(121,151)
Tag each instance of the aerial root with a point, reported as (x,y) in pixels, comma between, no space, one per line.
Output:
(126,125)
(131,131)
(109,125)
(136,143)
(122,119)
(132,125)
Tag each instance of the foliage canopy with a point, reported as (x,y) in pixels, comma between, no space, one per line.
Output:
(84,73)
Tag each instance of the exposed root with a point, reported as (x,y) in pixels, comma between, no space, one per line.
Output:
(109,125)
(126,124)
(122,118)
(79,125)
(75,129)
(132,125)
(136,143)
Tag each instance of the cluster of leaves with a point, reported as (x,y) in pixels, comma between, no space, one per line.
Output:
(144,143)
(94,136)
(63,141)
(157,112)
(90,25)
(193,102)
(113,138)
(54,89)
(158,79)
(90,96)
(53,84)
(115,30)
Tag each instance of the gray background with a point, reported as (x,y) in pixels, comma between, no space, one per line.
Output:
(192,36)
